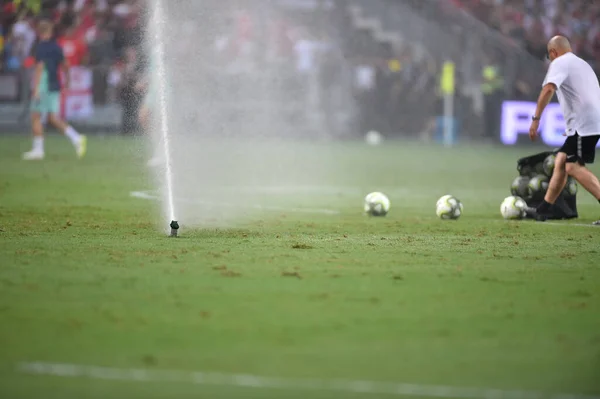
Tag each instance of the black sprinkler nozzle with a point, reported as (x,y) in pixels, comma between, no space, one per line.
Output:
(174,227)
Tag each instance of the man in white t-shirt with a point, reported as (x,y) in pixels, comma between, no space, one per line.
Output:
(578,93)
(25,35)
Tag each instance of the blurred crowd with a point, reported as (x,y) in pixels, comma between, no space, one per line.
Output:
(531,23)
(500,54)
(91,32)
(315,40)
(312,43)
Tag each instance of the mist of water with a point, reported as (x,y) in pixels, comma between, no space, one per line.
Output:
(231,130)
(160,82)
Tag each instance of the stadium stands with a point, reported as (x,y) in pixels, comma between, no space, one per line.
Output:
(386,54)
(531,23)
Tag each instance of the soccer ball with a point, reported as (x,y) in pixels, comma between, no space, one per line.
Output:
(513,208)
(525,170)
(519,187)
(571,187)
(537,186)
(377,204)
(448,207)
(539,168)
(549,165)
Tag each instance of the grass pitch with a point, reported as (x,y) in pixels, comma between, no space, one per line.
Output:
(87,278)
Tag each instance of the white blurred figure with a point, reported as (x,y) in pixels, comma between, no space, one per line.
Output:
(24,36)
(307,49)
(373,138)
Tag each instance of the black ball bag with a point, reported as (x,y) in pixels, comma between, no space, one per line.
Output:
(565,206)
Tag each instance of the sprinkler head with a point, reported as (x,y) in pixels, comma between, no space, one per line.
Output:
(174,227)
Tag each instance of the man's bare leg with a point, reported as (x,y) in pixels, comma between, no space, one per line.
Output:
(558,181)
(585,177)
(78,140)
(555,187)
(37,149)
(144,118)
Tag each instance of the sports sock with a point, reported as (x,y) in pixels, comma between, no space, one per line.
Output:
(544,207)
(38,144)
(72,135)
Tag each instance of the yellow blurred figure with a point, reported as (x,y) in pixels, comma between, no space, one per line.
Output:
(394,65)
(33,5)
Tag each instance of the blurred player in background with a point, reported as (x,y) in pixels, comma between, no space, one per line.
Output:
(578,93)
(148,108)
(49,60)
(155,96)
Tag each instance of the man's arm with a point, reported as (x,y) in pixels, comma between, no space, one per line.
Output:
(65,70)
(544,99)
(37,77)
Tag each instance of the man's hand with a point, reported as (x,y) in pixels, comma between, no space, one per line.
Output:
(533,130)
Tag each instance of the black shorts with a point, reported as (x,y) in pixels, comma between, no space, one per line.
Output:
(580,149)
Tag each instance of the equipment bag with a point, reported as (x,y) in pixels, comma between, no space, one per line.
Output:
(538,168)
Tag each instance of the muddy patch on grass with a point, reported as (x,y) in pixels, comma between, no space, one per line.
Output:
(301,246)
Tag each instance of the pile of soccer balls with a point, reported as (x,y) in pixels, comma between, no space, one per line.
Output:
(447,207)
(531,186)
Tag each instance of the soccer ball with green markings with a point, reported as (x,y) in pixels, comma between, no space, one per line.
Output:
(571,187)
(377,204)
(549,165)
(537,187)
(513,208)
(448,207)
(520,187)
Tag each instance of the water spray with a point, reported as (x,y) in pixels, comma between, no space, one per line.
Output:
(160,76)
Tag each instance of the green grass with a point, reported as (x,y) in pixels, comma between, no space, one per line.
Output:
(87,278)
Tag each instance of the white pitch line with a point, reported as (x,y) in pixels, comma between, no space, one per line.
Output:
(550,223)
(254,381)
(148,196)
(571,224)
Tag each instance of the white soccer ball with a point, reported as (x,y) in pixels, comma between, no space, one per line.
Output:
(448,207)
(377,204)
(373,138)
(513,208)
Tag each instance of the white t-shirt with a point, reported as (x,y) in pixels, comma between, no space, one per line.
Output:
(365,77)
(578,93)
(305,55)
(26,33)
